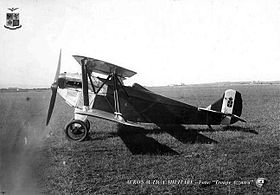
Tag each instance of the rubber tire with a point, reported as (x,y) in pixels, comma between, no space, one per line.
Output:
(86,122)
(67,130)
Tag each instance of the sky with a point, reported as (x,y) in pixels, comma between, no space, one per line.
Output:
(165,41)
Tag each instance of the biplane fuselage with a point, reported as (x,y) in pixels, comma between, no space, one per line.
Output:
(137,104)
(107,98)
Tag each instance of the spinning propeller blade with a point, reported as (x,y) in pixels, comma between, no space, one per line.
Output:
(54,90)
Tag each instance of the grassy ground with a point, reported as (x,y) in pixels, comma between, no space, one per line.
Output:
(121,160)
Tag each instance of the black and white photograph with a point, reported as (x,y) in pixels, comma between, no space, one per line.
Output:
(139,97)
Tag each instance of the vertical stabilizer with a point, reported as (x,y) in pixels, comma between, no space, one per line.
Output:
(230,104)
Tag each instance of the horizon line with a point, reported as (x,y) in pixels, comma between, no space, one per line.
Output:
(168,85)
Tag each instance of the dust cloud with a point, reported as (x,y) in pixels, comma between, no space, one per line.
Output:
(22,130)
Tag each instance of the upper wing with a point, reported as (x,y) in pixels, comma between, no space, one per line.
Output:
(102,67)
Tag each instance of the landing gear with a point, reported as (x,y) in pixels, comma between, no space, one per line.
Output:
(77,130)
(87,123)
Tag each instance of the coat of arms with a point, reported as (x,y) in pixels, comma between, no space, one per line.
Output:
(12,20)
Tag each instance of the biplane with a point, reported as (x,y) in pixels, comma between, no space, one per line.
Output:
(106,97)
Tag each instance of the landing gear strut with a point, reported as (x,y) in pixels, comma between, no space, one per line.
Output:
(77,130)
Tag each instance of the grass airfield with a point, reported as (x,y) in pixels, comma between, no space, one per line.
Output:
(35,159)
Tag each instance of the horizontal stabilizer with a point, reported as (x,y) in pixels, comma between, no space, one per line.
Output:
(239,118)
(107,116)
(222,114)
(102,67)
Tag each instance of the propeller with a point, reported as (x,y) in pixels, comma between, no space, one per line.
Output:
(54,90)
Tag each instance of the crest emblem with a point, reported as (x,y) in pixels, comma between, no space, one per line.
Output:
(260,182)
(12,19)
(230,102)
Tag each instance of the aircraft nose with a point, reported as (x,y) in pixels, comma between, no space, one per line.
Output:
(62,82)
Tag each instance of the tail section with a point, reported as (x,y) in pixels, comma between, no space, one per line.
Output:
(230,105)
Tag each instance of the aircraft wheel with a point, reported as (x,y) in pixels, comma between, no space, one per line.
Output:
(86,122)
(76,130)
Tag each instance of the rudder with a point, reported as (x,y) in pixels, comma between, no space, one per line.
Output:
(230,104)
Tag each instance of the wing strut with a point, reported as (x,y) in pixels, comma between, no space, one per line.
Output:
(85,83)
(116,83)
(92,85)
(117,112)
(122,87)
(107,79)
